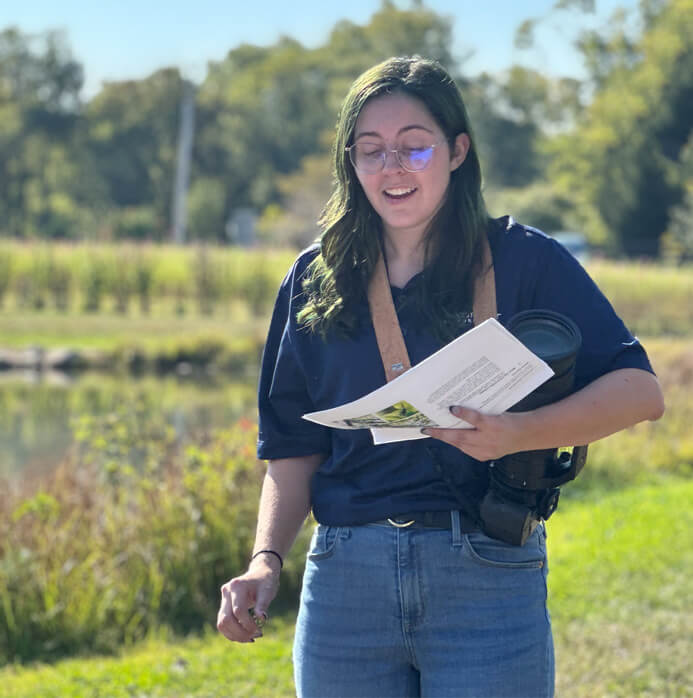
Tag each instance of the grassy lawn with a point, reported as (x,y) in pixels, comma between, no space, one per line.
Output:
(209,667)
(620,597)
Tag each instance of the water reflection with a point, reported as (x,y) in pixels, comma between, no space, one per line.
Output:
(38,412)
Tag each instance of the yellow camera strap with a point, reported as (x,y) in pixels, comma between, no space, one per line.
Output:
(388,333)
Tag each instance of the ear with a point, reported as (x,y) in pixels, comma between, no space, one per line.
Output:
(460,151)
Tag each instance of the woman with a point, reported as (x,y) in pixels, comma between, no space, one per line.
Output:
(436,608)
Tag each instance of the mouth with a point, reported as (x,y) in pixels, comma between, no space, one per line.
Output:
(399,193)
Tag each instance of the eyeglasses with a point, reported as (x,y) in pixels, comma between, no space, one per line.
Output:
(371,157)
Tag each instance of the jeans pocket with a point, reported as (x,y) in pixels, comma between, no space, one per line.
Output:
(323,543)
(491,552)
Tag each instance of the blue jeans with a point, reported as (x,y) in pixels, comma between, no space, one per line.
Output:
(401,612)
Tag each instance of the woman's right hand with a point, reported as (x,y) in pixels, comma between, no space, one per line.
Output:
(254,589)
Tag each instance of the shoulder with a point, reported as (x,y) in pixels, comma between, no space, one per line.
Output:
(533,270)
(523,253)
(519,241)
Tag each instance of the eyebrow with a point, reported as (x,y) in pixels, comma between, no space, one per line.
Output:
(402,130)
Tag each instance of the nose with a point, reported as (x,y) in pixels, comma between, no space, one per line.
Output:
(392,161)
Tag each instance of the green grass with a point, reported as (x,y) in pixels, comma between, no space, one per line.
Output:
(621,594)
(620,597)
(209,667)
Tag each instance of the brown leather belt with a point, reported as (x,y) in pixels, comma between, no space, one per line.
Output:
(428,519)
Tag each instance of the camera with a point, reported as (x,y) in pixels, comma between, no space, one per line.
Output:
(524,487)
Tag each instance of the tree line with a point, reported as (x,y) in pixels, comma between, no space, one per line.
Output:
(610,156)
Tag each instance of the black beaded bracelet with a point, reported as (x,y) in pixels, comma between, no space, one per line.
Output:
(271,552)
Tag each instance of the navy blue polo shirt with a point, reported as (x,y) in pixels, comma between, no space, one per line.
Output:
(302,372)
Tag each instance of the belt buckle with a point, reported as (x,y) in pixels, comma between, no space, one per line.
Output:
(401,524)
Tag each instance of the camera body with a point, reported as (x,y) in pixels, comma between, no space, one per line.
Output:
(524,487)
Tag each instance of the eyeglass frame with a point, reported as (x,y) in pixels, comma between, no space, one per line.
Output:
(386,151)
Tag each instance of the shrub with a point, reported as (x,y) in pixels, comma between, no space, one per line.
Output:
(107,551)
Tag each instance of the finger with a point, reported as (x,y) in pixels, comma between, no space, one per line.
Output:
(467,414)
(449,436)
(230,628)
(466,440)
(241,613)
(234,618)
(242,597)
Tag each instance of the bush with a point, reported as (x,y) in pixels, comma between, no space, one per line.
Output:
(106,552)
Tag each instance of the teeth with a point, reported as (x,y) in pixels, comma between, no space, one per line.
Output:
(399,192)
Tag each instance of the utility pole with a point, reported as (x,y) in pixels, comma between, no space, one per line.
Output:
(186,131)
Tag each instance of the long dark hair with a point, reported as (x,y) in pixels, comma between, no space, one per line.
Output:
(336,282)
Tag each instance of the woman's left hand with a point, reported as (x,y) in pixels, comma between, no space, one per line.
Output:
(492,437)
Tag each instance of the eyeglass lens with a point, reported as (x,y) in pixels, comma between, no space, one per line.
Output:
(371,157)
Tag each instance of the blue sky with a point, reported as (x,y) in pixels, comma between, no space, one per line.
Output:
(131,38)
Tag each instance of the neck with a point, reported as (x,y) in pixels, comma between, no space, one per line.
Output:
(405,256)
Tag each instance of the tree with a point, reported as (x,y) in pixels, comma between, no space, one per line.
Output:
(622,165)
(132,133)
(677,241)
(47,177)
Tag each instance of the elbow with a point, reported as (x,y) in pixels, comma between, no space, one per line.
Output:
(657,409)
(656,402)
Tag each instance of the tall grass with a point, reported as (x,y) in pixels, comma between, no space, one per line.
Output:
(95,277)
(104,552)
(652,299)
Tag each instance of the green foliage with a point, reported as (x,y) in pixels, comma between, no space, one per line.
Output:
(622,165)
(51,189)
(538,204)
(135,223)
(132,533)
(136,148)
(677,241)
(5,272)
(104,169)
(206,208)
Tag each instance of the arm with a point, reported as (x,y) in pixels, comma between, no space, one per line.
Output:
(612,402)
(284,505)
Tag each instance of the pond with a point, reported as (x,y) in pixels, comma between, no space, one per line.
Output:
(40,412)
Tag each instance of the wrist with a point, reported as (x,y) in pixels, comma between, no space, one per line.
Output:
(269,557)
(527,423)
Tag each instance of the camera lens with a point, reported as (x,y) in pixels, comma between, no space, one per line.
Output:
(554,338)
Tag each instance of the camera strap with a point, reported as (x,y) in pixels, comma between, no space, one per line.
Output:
(393,350)
(388,333)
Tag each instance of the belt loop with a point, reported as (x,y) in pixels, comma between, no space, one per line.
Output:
(456,529)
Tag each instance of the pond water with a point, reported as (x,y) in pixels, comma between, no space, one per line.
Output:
(39,413)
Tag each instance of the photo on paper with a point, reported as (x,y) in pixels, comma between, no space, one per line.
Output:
(401,414)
